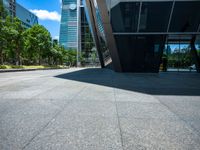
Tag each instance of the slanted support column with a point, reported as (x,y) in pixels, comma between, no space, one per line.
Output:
(91,12)
(194,53)
(111,44)
(161,53)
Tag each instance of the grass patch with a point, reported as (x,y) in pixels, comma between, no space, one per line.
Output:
(32,67)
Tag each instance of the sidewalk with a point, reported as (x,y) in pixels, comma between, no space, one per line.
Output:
(20,70)
(98,109)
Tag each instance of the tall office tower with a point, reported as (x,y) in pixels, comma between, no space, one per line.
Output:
(69,24)
(75,31)
(10,7)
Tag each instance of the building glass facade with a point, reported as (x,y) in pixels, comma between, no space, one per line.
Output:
(141,29)
(69,24)
(10,7)
(14,9)
(27,18)
(101,36)
(75,32)
(87,43)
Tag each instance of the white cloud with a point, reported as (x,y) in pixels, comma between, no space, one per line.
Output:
(56,37)
(46,15)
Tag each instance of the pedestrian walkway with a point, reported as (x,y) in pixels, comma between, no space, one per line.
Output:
(98,109)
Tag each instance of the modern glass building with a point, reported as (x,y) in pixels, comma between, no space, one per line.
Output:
(27,18)
(14,9)
(69,24)
(134,35)
(75,32)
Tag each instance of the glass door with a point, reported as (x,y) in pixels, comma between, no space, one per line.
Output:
(177,55)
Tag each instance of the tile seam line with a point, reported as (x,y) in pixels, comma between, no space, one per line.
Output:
(24,80)
(24,101)
(118,120)
(35,96)
(33,77)
(50,121)
(183,120)
(95,101)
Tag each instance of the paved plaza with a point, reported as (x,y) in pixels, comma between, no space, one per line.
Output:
(98,109)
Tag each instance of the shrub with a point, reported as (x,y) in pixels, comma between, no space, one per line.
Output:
(3,67)
(16,67)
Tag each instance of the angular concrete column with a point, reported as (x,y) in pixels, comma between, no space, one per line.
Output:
(111,44)
(91,13)
(194,54)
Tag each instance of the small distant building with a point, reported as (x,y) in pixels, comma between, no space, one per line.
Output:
(27,18)
(14,9)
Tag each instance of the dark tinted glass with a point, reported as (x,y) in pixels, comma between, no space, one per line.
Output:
(124,17)
(86,36)
(186,17)
(155,16)
(140,53)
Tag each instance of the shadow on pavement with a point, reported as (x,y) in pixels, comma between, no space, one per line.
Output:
(171,83)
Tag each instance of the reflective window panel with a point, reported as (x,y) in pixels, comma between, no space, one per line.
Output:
(155,16)
(140,53)
(186,16)
(124,17)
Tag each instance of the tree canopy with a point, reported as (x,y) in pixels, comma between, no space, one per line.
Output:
(30,46)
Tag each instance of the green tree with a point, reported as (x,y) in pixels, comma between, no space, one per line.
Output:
(13,39)
(37,43)
(5,38)
(3,12)
(3,15)
(17,39)
(2,40)
(71,57)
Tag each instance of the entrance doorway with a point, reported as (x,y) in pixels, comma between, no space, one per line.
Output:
(177,54)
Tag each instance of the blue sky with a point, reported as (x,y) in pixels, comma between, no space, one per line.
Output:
(48,12)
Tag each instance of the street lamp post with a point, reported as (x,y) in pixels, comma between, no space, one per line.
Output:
(78,34)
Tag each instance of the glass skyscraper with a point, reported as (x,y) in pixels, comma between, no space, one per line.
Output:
(75,32)
(69,24)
